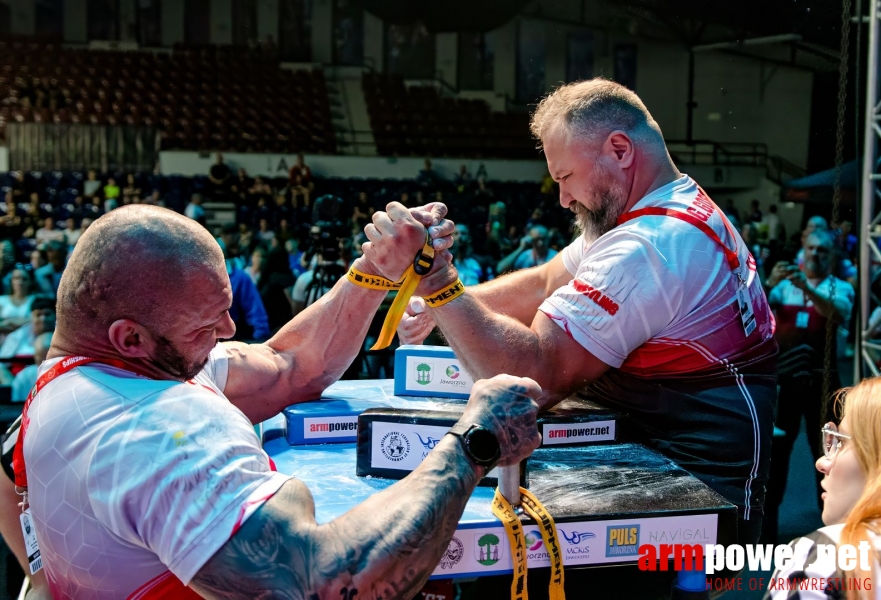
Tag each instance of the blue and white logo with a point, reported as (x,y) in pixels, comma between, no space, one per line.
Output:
(430,443)
(576,537)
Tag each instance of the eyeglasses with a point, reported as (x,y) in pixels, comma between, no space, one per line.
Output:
(832,440)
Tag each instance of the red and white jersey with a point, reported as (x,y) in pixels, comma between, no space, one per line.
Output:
(135,483)
(656,296)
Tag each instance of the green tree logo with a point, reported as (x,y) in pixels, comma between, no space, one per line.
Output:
(488,549)
(423,373)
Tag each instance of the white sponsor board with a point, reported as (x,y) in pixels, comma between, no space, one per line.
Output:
(486,550)
(330,427)
(437,374)
(403,446)
(570,433)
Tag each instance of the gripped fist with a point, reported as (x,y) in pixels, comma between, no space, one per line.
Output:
(506,406)
(416,323)
(397,234)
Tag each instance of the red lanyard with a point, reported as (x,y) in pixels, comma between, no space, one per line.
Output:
(730,255)
(65,365)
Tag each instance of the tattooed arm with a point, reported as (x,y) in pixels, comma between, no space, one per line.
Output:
(385,547)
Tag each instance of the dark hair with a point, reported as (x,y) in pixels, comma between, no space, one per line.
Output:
(43,303)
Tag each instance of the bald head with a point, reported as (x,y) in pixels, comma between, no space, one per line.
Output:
(136,263)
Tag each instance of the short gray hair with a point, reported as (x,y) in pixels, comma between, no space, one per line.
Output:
(594,108)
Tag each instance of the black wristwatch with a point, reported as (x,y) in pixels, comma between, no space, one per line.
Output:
(480,444)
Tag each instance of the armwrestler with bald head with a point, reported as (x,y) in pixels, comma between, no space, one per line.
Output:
(144,474)
(655,309)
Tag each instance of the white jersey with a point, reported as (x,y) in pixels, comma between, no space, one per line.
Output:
(655,296)
(135,483)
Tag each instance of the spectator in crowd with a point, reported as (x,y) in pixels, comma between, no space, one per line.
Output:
(803,300)
(471,271)
(15,307)
(265,235)
(750,234)
(295,256)
(21,341)
(220,176)
(194,209)
(532,251)
(283,210)
(229,243)
(846,241)
(776,232)
(755,213)
(463,177)
(48,232)
(48,276)
(26,378)
(154,199)
(131,191)
(256,267)
(300,191)
(111,190)
(851,468)
(247,310)
(275,284)
(260,188)
(37,259)
(71,233)
(362,211)
(7,264)
(246,240)
(111,204)
(730,210)
(300,168)
(427,176)
(91,185)
(240,186)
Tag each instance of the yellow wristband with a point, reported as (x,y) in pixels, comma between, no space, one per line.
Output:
(449,293)
(373,282)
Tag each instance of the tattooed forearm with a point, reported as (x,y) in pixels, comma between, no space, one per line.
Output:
(384,548)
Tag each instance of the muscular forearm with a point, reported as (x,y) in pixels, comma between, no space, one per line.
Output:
(489,343)
(517,294)
(384,548)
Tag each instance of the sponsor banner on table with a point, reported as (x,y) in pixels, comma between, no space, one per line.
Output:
(485,550)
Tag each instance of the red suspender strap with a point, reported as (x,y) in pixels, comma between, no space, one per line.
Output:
(730,255)
(65,365)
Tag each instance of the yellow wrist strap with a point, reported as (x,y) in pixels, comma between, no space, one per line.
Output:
(505,512)
(412,276)
(373,282)
(447,294)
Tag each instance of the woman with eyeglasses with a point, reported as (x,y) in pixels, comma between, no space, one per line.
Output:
(851,468)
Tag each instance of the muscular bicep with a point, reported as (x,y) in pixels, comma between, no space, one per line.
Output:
(566,366)
(262,381)
(277,553)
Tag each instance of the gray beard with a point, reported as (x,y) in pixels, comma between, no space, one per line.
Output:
(595,223)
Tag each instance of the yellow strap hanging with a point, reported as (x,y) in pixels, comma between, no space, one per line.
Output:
(412,276)
(505,512)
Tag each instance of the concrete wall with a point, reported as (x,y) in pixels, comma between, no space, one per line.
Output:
(322,31)
(446,57)
(374,41)
(221,22)
(75,25)
(172,22)
(267,19)
(24,17)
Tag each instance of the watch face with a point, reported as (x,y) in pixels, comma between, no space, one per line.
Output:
(483,444)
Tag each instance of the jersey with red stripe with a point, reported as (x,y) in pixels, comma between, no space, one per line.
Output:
(656,297)
(134,483)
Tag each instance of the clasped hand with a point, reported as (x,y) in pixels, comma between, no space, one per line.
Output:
(397,234)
